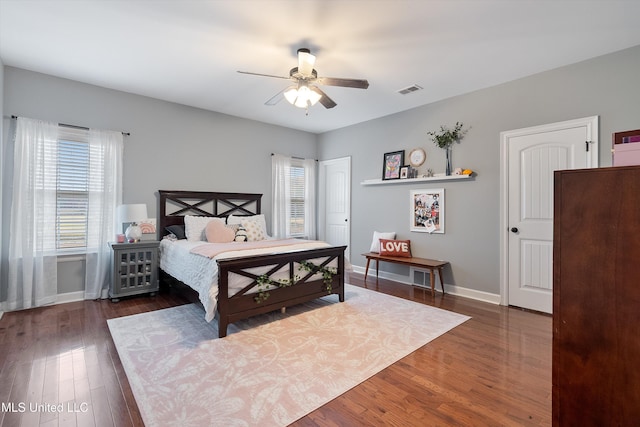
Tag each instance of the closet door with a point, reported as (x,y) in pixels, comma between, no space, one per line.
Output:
(334,219)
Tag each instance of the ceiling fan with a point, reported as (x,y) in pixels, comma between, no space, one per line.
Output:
(305,92)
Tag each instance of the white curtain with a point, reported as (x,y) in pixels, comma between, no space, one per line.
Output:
(280,217)
(32,272)
(105,193)
(33,253)
(310,167)
(281,190)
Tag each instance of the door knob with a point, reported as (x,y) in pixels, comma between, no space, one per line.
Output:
(514,229)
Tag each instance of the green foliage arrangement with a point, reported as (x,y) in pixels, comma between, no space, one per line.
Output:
(264,281)
(445,136)
(327,273)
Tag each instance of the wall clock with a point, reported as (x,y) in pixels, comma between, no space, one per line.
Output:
(417,156)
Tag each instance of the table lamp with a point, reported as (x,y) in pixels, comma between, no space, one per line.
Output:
(132,214)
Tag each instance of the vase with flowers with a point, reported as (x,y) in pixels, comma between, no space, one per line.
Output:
(445,137)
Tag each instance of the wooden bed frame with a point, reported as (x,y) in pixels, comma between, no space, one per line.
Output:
(174,205)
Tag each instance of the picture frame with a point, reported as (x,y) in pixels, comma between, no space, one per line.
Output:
(627,137)
(148,228)
(404,172)
(626,148)
(392,162)
(427,211)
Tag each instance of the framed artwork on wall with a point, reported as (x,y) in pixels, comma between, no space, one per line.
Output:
(427,211)
(392,162)
(626,148)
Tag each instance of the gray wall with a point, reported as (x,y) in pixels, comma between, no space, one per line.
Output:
(177,147)
(606,86)
(171,147)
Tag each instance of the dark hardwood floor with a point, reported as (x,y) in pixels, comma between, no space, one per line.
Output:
(492,370)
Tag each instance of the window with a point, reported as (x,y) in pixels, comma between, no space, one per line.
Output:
(297,201)
(72,194)
(72,172)
(67,182)
(293,197)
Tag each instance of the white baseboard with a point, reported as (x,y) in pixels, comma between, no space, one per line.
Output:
(449,289)
(69,297)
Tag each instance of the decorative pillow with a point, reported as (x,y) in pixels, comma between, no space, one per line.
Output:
(244,220)
(241,233)
(219,232)
(399,248)
(377,235)
(176,230)
(255,231)
(234,227)
(194,226)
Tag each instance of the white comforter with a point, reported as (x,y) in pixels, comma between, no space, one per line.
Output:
(201,273)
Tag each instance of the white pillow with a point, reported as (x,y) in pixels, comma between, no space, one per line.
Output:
(244,220)
(194,226)
(377,235)
(255,231)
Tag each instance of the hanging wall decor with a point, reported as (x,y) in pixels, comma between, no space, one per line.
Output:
(427,211)
(392,162)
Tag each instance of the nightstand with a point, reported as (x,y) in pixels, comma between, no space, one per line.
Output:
(134,269)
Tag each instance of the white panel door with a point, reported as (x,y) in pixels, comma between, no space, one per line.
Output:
(533,155)
(335,202)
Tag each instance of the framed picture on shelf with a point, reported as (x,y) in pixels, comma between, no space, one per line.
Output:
(148,227)
(392,162)
(427,211)
(404,172)
(626,148)
(628,137)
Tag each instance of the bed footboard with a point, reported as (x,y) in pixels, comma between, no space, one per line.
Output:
(312,274)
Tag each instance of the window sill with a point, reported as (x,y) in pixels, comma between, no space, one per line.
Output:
(71,257)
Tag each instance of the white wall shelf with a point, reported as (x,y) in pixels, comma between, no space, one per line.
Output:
(414,180)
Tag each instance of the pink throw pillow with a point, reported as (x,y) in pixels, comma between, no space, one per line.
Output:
(218,232)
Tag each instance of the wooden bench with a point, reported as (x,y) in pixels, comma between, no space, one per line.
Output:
(427,264)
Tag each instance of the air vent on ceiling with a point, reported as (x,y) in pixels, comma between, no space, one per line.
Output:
(410,89)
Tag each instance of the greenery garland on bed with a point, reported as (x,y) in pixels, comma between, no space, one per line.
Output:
(264,281)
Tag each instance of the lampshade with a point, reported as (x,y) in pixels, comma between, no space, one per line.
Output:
(305,62)
(132,214)
(302,96)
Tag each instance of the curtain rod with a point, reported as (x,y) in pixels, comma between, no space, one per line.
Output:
(294,157)
(76,127)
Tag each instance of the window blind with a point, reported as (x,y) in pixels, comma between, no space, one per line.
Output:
(297,200)
(72,194)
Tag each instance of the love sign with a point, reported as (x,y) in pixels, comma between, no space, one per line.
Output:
(401,248)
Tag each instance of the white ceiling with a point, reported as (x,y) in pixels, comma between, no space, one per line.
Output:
(189,51)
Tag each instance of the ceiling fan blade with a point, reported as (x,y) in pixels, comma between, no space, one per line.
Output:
(305,62)
(265,75)
(275,98)
(334,81)
(325,100)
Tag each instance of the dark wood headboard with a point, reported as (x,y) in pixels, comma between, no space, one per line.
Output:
(174,205)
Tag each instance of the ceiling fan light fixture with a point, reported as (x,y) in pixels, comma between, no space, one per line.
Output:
(305,63)
(302,97)
(305,92)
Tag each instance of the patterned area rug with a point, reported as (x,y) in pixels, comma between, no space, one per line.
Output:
(272,369)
